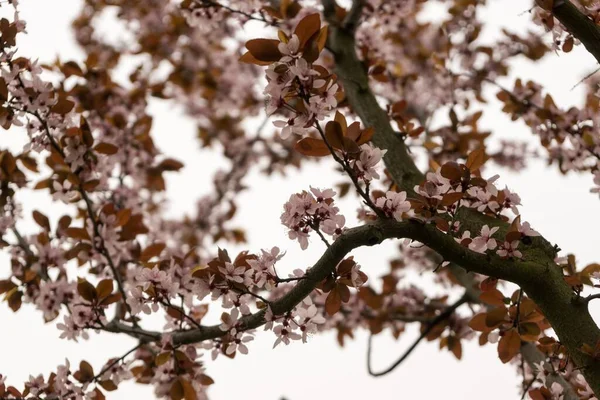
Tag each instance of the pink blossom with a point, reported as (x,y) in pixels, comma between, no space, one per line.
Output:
(322,195)
(289,49)
(295,125)
(509,250)
(369,158)
(237,343)
(526,230)
(233,273)
(230,320)
(303,213)
(596,188)
(483,199)
(394,204)
(309,318)
(334,226)
(285,335)
(484,242)
(302,70)
(64,192)
(511,200)
(327,99)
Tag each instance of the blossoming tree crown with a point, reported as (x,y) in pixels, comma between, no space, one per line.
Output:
(355,83)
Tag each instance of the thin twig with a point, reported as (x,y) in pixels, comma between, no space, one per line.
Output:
(350,173)
(443,316)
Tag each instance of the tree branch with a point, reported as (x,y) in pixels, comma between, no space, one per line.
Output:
(440,318)
(353,17)
(532,355)
(353,76)
(592,297)
(529,351)
(579,25)
(539,275)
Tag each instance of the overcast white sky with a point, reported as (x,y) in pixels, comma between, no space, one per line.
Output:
(558,206)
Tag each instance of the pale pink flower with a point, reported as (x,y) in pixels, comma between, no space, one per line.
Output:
(309,318)
(285,335)
(295,125)
(289,49)
(64,192)
(369,158)
(509,250)
(230,320)
(334,226)
(394,204)
(484,242)
(302,70)
(238,343)
(526,230)
(233,273)
(322,195)
(511,200)
(327,99)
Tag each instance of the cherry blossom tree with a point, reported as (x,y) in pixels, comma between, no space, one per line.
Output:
(392,100)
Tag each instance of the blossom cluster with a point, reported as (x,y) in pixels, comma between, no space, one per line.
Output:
(297,85)
(305,212)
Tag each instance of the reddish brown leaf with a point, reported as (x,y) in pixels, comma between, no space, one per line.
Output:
(78,233)
(312,147)
(496,317)
(478,323)
(87,372)
(170,164)
(568,44)
(451,198)
(476,159)
(452,171)
(87,290)
(333,303)
(488,284)
(176,391)
(62,106)
(547,5)
(248,58)
(3,90)
(108,385)
(113,298)
(306,28)
(493,297)
(264,49)
(334,135)
(6,285)
(104,288)
(509,345)
(106,148)
(205,380)
(14,299)
(41,220)
(151,251)
(162,358)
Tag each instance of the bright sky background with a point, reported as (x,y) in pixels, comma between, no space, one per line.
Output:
(559,206)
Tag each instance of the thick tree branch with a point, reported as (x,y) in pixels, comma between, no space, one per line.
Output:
(579,25)
(353,75)
(525,273)
(367,235)
(539,275)
(353,17)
